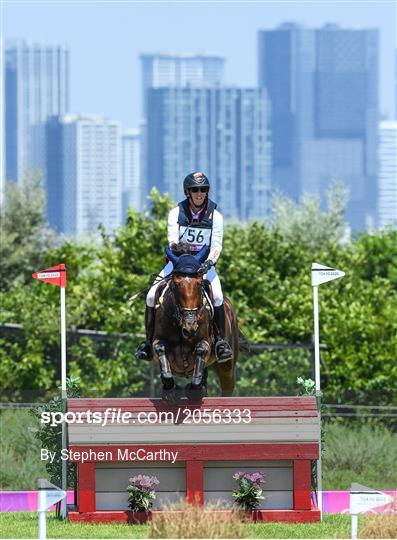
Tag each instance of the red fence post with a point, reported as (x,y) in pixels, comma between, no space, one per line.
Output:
(302,480)
(195,482)
(86,487)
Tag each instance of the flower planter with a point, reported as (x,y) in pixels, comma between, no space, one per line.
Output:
(139,517)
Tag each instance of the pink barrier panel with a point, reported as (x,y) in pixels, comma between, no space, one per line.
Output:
(24,501)
(338,502)
(334,502)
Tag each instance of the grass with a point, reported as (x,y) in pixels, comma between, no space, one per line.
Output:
(384,526)
(361,453)
(20,463)
(332,526)
(24,525)
(189,521)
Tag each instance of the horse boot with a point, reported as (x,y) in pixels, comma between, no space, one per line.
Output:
(144,351)
(223,350)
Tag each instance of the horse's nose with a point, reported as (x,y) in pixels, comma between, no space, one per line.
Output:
(186,333)
(189,325)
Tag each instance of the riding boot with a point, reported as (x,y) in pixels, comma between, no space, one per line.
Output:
(223,350)
(144,351)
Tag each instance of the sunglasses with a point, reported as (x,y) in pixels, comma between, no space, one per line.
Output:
(201,189)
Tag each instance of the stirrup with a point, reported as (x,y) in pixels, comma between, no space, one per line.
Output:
(223,351)
(144,351)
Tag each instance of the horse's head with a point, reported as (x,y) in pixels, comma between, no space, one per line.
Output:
(187,288)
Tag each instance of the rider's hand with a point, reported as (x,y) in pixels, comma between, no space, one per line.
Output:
(206,266)
(180,248)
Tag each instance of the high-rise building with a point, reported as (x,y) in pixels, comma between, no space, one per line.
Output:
(35,87)
(173,71)
(223,132)
(323,88)
(168,70)
(132,193)
(387,199)
(84,178)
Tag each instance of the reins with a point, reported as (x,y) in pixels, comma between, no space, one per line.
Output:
(177,310)
(144,291)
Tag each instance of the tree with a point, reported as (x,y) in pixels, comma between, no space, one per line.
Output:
(305,222)
(267,276)
(25,236)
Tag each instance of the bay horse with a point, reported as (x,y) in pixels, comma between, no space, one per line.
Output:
(184,336)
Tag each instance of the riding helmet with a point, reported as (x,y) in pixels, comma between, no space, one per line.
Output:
(196,179)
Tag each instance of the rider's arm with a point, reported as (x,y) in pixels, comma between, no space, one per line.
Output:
(173,227)
(217,237)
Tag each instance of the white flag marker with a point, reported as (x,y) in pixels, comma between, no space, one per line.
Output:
(320,274)
(48,495)
(362,499)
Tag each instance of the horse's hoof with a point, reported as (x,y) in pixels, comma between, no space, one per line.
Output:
(170,396)
(195,394)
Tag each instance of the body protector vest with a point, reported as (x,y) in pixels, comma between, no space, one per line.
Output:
(195,233)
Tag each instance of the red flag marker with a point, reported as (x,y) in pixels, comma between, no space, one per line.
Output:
(56,275)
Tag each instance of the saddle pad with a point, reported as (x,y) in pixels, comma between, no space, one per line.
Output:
(208,290)
(159,291)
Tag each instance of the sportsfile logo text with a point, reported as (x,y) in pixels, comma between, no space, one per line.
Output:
(118,416)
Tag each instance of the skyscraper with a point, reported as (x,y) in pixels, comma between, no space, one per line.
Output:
(323,87)
(168,70)
(132,193)
(173,71)
(387,198)
(36,87)
(224,132)
(84,179)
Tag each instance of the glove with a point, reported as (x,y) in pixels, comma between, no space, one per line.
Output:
(180,248)
(206,266)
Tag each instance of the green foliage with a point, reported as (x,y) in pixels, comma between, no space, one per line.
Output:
(24,233)
(308,386)
(20,464)
(306,223)
(248,493)
(50,437)
(359,453)
(142,492)
(265,272)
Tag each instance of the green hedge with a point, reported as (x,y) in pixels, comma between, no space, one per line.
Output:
(266,276)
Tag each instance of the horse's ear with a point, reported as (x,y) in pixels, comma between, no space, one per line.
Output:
(202,255)
(171,255)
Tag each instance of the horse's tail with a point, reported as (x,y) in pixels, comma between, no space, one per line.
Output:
(244,342)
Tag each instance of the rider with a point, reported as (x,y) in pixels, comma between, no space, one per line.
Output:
(195,222)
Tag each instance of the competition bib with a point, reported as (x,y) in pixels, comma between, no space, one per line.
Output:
(195,237)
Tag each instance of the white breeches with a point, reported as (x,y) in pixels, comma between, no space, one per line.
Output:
(211,275)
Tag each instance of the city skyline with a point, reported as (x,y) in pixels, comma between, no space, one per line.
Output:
(323,86)
(107,81)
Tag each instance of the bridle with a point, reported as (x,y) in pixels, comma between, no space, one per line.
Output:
(191,316)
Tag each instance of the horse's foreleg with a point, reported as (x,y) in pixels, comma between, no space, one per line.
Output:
(167,378)
(201,352)
(196,390)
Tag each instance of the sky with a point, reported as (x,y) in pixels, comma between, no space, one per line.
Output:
(105,40)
